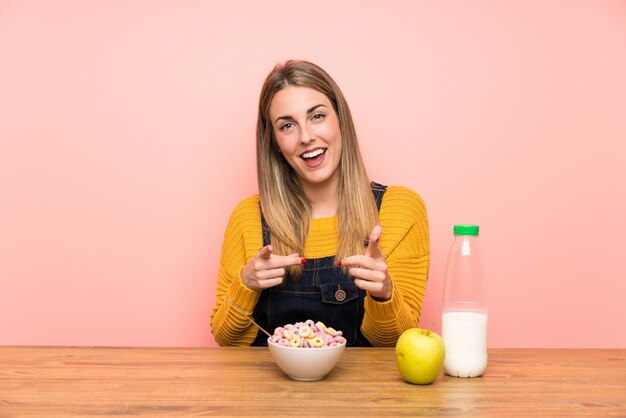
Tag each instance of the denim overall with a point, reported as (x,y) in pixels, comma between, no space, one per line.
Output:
(322,293)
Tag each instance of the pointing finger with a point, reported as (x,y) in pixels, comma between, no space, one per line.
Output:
(373,249)
(292,260)
(279,261)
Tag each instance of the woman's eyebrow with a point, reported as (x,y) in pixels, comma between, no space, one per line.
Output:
(286,117)
(311,110)
(308,112)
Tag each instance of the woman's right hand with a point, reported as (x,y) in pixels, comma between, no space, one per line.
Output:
(266,270)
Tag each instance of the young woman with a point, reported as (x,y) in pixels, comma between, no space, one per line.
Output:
(319,241)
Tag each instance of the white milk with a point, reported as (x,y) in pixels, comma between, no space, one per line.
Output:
(465,339)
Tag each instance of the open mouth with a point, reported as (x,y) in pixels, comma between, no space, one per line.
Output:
(313,155)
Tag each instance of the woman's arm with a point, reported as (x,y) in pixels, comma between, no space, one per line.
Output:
(405,242)
(242,240)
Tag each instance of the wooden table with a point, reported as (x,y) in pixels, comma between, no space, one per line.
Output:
(65,381)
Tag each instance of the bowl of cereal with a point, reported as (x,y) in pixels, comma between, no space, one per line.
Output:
(306,351)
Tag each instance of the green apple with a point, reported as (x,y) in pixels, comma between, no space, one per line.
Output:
(419,355)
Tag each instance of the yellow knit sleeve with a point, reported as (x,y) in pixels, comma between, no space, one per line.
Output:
(242,240)
(405,241)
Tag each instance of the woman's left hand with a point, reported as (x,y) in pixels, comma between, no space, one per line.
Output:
(370,270)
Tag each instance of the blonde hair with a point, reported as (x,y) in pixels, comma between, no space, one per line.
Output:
(284,205)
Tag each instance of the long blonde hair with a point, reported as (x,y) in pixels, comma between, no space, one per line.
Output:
(284,205)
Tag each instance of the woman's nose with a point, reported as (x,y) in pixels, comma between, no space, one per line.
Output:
(306,136)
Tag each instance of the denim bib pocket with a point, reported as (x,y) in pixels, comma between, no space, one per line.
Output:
(339,293)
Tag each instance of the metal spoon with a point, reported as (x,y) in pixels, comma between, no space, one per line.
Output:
(241,311)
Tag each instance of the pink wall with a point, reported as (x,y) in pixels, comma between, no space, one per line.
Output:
(127,137)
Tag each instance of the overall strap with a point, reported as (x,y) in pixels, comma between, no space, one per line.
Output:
(267,236)
(378,190)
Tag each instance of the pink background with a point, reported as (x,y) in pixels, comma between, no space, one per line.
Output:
(127,138)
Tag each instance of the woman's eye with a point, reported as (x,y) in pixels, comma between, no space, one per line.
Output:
(285,126)
(318,116)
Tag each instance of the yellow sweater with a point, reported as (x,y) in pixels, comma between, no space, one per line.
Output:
(404,241)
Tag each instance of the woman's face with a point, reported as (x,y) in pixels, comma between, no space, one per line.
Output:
(307,130)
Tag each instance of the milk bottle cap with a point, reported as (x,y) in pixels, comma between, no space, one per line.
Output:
(466,229)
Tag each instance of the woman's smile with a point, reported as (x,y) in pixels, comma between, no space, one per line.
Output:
(314,157)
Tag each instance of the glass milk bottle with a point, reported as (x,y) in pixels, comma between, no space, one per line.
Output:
(464,310)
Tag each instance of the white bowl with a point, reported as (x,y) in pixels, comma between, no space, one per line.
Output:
(306,364)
